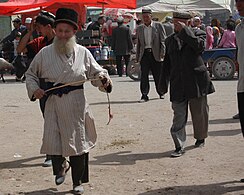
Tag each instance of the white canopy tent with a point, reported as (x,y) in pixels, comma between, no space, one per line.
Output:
(186,5)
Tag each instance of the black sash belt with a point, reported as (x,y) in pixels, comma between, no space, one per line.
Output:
(60,91)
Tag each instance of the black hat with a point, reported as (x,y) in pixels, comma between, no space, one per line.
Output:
(45,18)
(67,15)
(182,15)
(18,20)
(146,11)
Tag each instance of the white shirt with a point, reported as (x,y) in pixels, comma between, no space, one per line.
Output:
(148,35)
(240,56)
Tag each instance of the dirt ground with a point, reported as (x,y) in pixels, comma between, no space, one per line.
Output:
(132,155)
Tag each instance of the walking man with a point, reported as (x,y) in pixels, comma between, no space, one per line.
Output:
(150,52)
(69,129)
(122,45)
(44,24)
(189,81)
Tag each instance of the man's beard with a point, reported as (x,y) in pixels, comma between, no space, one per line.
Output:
(64,46)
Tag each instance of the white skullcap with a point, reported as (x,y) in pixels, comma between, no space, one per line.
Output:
(28,20)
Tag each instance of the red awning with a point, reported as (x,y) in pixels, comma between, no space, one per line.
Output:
(12,6)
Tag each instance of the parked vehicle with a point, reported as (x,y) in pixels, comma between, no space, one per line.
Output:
(221,64)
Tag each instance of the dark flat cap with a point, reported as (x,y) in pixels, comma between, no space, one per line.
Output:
(18,20)
(146,11)
(182,15)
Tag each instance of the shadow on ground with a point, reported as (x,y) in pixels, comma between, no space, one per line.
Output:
(216,188)
(219,121)
(224,132)
(49,191)
(128,158)
(22,163)
(122,102)
(10,81)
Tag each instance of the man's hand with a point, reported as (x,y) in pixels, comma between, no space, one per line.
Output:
(107,84)
(179,26)
(39,93)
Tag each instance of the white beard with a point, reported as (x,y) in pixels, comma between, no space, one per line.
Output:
(63,46)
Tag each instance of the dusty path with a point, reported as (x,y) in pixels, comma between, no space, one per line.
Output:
(132,153)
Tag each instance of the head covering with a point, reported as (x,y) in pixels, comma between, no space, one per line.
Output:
(197,18)
(18,20)
(168,18)
(28,20)
(45,18)
(66,15)
(182,15)
(101,17)
(146,11)
(120,19)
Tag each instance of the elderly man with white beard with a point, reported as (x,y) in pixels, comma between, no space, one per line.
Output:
(69,129)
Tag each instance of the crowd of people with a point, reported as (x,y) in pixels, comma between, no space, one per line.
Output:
(170,50)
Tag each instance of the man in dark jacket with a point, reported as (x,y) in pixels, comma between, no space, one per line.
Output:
(168,25)
(189,81)
(122,45)
(97,25)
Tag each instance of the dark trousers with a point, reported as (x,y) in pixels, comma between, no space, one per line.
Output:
(79,167)
(240,98)
(148,63)
(42,103)
(119,63)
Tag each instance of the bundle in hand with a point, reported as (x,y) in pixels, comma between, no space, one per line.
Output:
(5,65)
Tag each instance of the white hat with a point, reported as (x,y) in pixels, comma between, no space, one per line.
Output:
(197,18)
(120,19)
(28,20)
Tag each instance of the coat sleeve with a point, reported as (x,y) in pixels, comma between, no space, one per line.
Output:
(32,75)
(94,70)
(162,36)
(113,39)
(165,74)
(195,40)
(137,44)
(129,39)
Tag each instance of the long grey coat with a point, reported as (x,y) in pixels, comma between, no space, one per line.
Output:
(69,127)
(158,38)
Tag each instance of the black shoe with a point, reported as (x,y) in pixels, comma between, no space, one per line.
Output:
(199,143)
(144,98)
(18,79)
(178,152)
(236,116)
(23,79)
(242,180)
(161,96)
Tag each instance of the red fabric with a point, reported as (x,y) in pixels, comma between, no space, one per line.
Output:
(37,44)
(79,8)
(13,6)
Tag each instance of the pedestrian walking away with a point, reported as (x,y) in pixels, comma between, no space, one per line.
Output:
(122,45)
